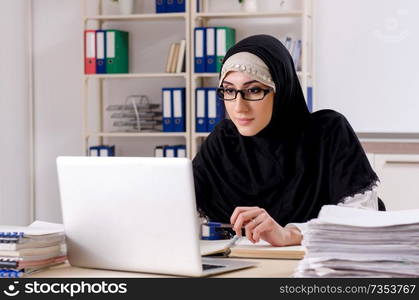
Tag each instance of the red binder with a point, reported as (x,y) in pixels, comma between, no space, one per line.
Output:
(90,51)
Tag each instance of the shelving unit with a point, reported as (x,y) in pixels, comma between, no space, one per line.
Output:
(98,134)
(204,17)
(191,19)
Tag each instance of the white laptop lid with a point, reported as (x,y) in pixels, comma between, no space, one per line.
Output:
(130,213)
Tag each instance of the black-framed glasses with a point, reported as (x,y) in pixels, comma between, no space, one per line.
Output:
(249,94)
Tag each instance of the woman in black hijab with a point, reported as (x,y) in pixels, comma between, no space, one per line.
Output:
(273,164)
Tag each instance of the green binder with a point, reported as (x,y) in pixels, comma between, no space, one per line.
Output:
(117,51)
(226,38)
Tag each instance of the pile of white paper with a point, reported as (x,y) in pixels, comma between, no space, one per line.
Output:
(350,242)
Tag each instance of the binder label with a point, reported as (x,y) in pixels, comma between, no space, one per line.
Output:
(212,104)
(110,44)
(210,41)
(200,107)
(199,49)
(90,45)
(177,101)
(221,42)
(166,105)
(100,45)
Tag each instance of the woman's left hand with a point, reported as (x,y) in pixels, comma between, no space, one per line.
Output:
(259,224)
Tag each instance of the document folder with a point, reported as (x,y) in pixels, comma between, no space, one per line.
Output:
(178,100)
(167,109)
(201,110)
(226,38)
(161,6)
(200,41)
(215,109)
(101,52)
(210,58)
(117,51)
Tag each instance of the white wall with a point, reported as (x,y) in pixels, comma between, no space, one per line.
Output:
(366,62)
(14,114)
(57,91)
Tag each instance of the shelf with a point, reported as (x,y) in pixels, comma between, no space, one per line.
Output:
(137,134)
(135,75)
(296,13)
(137,17)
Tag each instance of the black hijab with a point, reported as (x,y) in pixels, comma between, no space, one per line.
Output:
(296,164)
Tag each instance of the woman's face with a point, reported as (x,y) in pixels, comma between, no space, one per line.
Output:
(250,117)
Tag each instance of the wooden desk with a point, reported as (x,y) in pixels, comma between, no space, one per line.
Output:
(265,268)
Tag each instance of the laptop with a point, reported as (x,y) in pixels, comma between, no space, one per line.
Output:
(134,214)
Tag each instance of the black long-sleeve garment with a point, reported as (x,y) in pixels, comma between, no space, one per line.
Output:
(296,164)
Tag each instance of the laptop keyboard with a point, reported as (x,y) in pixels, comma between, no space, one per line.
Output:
(209,267)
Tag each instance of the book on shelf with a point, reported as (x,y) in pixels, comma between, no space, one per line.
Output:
(175,58)
(246,249)
(181,58)
(170,57)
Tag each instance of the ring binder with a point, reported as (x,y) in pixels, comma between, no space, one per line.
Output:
(10,237)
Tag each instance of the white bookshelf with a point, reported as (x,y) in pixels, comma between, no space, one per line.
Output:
(204,17)
(191,19)
(98,19)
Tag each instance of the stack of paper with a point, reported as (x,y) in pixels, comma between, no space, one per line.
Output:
(349,242)
(26,249)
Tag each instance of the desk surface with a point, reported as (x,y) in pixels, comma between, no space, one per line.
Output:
(265,268)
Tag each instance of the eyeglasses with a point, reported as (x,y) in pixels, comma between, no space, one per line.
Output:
(250,94)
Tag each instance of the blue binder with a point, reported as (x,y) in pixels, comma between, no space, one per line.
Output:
(170,6)
(215,108)
(100,51)
(167,109)
(161,6)
(179,5)
(200,45)
(94,151)
(200,110)
(180,150)
(105,150)
(178,109)
(159,151)
(210,52)
(169,151)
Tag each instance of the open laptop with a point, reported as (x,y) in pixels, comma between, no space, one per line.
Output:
(134,214)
